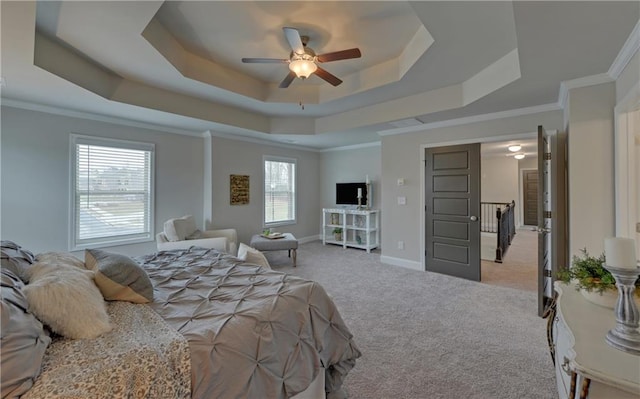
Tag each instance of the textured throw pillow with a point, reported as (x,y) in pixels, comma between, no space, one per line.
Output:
(16,259)
(119,277)
(179,229)
(252,255)
(66,299)
(23,339)
(60,258)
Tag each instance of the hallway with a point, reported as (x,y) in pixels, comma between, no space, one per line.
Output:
(520,265)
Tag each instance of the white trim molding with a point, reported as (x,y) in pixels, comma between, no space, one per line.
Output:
(565,86)
(406,263)
(627,52)
(353,147)
(472,119)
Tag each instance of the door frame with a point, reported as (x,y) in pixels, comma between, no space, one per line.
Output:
(423,212)
(521,196)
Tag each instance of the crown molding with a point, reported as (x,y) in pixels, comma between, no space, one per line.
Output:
(565,86)
(473,119)
(627,52)
(95,117)
(255,140)
(353,147)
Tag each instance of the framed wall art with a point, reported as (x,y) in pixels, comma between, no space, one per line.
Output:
(239,189)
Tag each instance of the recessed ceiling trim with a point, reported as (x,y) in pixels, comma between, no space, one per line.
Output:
(629,49)
(565,86)
(95,117)
(499,74)
(353,147)
(473,119)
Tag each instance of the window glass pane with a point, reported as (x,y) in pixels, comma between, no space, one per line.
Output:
(279,190)
(112,194)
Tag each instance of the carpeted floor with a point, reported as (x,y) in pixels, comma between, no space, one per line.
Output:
(519,268)
(425,335)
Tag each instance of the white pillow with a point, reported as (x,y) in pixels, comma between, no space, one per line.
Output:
(60,258)
(67,300)
(252,255)
(179,229)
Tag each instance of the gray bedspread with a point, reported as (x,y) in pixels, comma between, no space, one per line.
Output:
(252,332)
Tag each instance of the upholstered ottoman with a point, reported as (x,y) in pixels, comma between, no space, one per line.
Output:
(288,242)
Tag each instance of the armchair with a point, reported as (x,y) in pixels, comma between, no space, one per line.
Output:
(182,233)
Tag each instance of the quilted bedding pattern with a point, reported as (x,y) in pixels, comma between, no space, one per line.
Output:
(141,357)
(252,332)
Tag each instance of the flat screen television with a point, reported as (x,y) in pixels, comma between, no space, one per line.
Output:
(347,193)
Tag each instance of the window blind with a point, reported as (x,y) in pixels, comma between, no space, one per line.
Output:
(279,190)
(112,192)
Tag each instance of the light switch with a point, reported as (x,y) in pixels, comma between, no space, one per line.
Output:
(401,181)
(402,200)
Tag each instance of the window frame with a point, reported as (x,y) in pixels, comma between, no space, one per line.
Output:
(74,222)
(294,161)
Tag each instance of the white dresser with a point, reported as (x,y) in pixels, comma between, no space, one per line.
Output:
(586,366)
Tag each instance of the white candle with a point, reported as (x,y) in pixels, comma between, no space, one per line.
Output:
(367,180)
(620,252)
(359,192)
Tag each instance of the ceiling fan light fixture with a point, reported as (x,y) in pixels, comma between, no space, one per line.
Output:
(302,65)
(519,155)
(515,148)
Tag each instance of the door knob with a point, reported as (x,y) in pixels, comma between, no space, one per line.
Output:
(542,230)
(473,218)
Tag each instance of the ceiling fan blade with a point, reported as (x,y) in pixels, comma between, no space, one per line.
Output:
(264,61)
(293,37)
(340,55)
(287,80)
(323,74)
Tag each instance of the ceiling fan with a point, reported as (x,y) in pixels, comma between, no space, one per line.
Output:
(303,61)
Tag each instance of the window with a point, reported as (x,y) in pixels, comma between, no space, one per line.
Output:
(112,192)
(279,191)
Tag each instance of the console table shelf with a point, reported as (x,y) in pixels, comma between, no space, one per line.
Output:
(355,224)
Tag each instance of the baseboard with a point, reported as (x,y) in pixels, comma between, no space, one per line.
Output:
(305,240)
(407,264)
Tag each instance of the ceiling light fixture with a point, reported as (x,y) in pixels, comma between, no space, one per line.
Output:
(515,147)
(519,155)
(302,65)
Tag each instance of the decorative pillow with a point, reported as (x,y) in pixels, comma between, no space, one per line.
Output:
(119,277)
(24,340)
(66,299)
(179,229)
(252,255)
(60,258)
(16,259)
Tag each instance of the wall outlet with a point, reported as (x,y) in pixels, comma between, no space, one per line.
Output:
(400,244)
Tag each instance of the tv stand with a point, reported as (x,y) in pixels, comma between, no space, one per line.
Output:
(360,227)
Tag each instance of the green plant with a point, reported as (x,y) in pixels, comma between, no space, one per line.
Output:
(589,273)
(337,230)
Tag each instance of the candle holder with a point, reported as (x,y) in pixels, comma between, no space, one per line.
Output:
(368,195)
(625,336)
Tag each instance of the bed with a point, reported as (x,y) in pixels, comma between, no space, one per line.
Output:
(216,328)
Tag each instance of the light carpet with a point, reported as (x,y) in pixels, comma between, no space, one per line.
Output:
(427,335)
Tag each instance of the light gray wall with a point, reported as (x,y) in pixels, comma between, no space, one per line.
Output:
(402,156)
(499,181)
(35,177)
(350,166)
(245,158)
(591,167)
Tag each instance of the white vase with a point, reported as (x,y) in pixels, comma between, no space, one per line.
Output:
(607,298)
